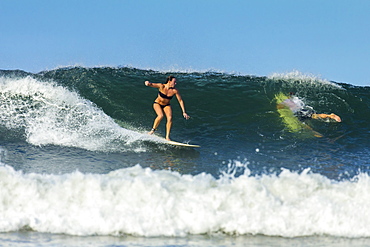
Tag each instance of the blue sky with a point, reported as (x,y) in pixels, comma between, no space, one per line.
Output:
(327,38)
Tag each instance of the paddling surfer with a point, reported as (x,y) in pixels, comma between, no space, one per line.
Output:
(162,106)
(301,111)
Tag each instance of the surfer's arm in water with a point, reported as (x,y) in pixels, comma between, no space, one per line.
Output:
(323,116)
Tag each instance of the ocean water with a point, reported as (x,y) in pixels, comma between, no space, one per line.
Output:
(78,168)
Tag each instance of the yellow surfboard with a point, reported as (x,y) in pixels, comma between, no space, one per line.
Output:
(291,122)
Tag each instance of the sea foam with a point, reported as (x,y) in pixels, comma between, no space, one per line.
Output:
(52,114)
(145,202)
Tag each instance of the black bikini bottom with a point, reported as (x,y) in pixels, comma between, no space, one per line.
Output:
(162,106)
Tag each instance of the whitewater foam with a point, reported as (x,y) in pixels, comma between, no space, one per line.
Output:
(52,114)
(145,202)
(303,78)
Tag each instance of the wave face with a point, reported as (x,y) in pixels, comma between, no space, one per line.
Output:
(46,113)
(109,109)
(252,174)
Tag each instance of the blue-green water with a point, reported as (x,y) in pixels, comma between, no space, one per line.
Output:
(76,160)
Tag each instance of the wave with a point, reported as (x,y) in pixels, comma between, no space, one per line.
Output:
(119,92)
(144,202)
(46,113)
(298,77)
(110,110)
(251,176)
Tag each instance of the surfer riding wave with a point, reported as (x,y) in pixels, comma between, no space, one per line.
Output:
(162,106)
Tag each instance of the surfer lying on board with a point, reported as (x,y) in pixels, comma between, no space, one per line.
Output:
(302,111)
(162,104)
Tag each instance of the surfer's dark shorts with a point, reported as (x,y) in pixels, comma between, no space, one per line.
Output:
(305,113)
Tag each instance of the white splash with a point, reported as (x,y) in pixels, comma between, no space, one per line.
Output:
(52,114)
(303,78)
(144,202)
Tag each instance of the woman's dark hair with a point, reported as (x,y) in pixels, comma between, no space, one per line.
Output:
(169,78)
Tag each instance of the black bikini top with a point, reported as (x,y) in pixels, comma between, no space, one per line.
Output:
(165,96)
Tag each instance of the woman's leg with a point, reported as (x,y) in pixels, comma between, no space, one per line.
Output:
(159,111)
(168,111)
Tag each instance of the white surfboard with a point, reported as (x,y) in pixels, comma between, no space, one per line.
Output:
(164,141)
(182,144)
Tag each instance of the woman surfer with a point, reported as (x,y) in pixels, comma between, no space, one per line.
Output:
(162,104)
